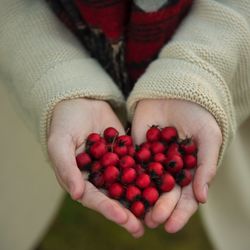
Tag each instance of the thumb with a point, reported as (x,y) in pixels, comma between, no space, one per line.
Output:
(61,149)
(208,152)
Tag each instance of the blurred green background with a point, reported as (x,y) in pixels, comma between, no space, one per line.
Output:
(76,228)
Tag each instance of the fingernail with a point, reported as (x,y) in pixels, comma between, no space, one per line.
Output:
(205,191)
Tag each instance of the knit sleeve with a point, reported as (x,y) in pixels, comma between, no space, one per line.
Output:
(42,63)
(206,62)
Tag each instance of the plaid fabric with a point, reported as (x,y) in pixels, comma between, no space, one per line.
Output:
(120,34)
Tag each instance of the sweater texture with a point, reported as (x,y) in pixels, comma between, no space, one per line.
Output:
(207,61)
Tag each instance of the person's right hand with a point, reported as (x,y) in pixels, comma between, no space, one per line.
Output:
(72,121)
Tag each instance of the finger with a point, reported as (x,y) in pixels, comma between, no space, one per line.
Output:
(208,152)
(163,208)
(165,205)
(186,207)
(111,209)
(62,153)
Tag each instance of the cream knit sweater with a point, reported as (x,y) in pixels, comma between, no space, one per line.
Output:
(207,62)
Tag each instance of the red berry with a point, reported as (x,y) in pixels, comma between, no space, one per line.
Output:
(143,180)
(120,149)
(155,168)
(184,177)
(153,134)
(115,190)
(157,147)
(98,149)
(110,134)
(173,164)
(169,134)
(190,161)
(131,151)
(167,182)
(188,146)
(138,168)
(125,139)
(173,149)
(96,167)
(150,195)
(83,161)
(97,179)
(109,159)
(127,161)
(93,138)
(132,193)
(128,175)
(111,174)
(138,209)
(159,157)
(143,155)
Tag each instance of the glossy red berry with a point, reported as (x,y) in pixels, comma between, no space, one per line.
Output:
(153,134)
(96,167)
(132,193)
(173,149)
(115,190)
(120,149)
(150,195)
(143,155)
(155,168)
(98,149)
(127,161)
(159,157)
(169,134)
(83,161)
(184,177)
(111,174)
(125,139)
(128,175)
(138,209)
(109,159)
(190,161)
(93,138)
(157,147)
(143,180)
(173,164)
(188,146)
(136,176)
(167,182)
(110,134)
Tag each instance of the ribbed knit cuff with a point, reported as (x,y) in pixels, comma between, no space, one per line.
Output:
(178,79)
(69,80)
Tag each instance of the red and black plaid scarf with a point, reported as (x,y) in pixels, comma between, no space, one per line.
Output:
(120,34)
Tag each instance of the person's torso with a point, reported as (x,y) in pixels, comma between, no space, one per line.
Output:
(123,35)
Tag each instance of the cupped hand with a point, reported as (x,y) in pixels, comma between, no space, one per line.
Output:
(72,121)
(177,206)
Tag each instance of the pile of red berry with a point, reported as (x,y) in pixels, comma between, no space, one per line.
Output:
(137,175)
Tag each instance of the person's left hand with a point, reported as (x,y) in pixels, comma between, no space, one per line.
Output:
(177,206)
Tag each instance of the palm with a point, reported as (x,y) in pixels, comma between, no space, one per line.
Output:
(72,122)
(176,207)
